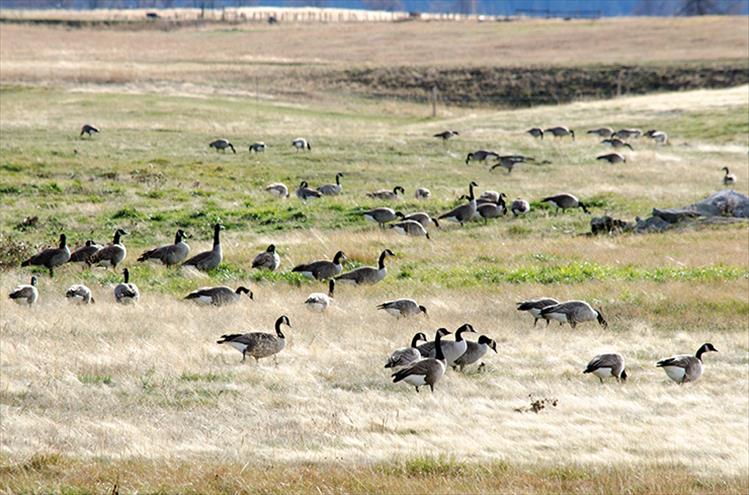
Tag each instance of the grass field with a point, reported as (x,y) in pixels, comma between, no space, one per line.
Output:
(141,397)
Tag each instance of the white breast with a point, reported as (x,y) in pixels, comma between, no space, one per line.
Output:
(238,346)
(603,372)
(415,380)
(393,311)
(676,373)
(557,316)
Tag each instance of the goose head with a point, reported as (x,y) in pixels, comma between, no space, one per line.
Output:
(397,189)
(623,376)
(706,347)
(63,241)
(303,184)
(271,248)
(572,133)
(601,320)
(416,338)
(400,215)
(339,256)
(282,320)
(470,190)
(126,274)
(180,235)
(423,310)
(245,290)
(465,327)
(443,331)
(469,157)
(584,207)
(33,281)
(338,177)
(435,222)
(725,169)
(89,243)
(489,342)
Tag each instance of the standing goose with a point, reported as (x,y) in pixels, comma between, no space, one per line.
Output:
(406,355)
(403,308)
(304,192)
(79,294)
(451,349)
(520,207)
(612,158)
(332,189)
(268,259)
(422,193)
(565,201)
(386,194)
(728,179)
(318,302)
(445,135)
(25,294)
(492,209)
(480,156)
(685,368)
(170,254)
(258,147)
(222,144)
(126,293)
(218,296)
(607,365)
(617,143)
(382,215)
(410,227)
(603,132)
(367,274)
(659,137)
(51,258)
(463,213)
(111,255)
(627,133)
(423,218)
(208,260)
(83,253)
(258,344)
(425,371)
(322,269)
(536,132)
(573,312)
(278,189)
(88,129)
(509,162)
(301,144)
(475,351)
(560,131)
(534,307)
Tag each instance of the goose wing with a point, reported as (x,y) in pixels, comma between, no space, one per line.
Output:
(263,260)
(602,361)
(681,361)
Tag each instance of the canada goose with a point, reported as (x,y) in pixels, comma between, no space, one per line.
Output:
(729,178)
(489,197)
(367,274)
(318,302)
(451,349)
(422,193)
(382,215)
(406,355)
(492,210)
(111,255)
(79,294)
(480,156)
(603,132)
(89,130)
(222,144)
(208,260)
(534,307)
(520,206)
(25,294)
(258,344)
(385,194)
(51,258)
(423,218)
(83,253)
(170,254)
(332,189)
(445,135)
(465,212)
(612,158)
(573,312)
(560,131)
(659,137)
(536,132)
(565,201)
(509,162)
(304,192)
(425,371)
(218,296)
(268,259)
(403,308)
(685,368)
(258,147)
(617,143)
(301,144)
(410,227)
(607,365)
(278,189)
(126,293)
(627,133)
(475,351)
(322,269)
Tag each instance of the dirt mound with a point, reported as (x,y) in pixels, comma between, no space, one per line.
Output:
(716,208)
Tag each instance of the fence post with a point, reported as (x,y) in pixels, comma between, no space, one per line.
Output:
(434,101)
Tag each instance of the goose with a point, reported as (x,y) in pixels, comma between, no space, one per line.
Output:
(208,260)
(520,206)
(475,351)
(612,158)
(410,227)
(534,307)
(509,162)
(406,355)
(258,147)
(480,156)
(218,296)
(627,133)
(385,194)
(83,253)
(445,135)
(465,212)
(422,193)
(451,349)
(367,274)
(603,132)
(258,344)
(301,144)
(79,294)
(565,201)
(332,189)
(26,294)
(318,302)
(126,293)
(659,137)
(51,258)
(222,144)
(492,210)
(573,312)
(268,259)
(490,197)
(89,130)
(278,189)
(322,269)
(423,218)
(403,308)
(170,254)
(728,179)
(536,132)
(111,255)
(304,192)
(617,143)
(425,371)
(607,365)
(560,131)
(382,215)
(685,368)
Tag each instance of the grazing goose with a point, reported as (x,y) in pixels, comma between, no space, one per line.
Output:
(509,162)
(258,344)
(451,349)
(659,137)
(322,269)
(534,307)
(422,193)
(367,274)
(410,227)
(382,215)
(465,212)
(111,255)
(332,189)
(627,133)
(445,135)
(318,302)
(617,143)
(406,355)
(126,293)
(301,144)
(685,368)
(536,132)
(520,207)
(218,296)
(423,218)
(79,294)
(304,192)
(51,258)
(170,254)
(560,131)
(603,132)
(475,351)
(208,260)
(25,294)
(278,189)
(573,312)
(268,259)
(490,197)
(257,147)
(728,179)
(425,371)
(82,254)
(480,156)
(612,158)
(385,194)
(89,130)
(492,210)
(565,201)
(607,365)
(403,308)
(222,144)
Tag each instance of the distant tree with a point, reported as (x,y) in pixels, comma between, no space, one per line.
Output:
(389,5)
(708,7)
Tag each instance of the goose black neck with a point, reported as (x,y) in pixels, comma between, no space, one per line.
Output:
(438,347)
(216,240)
(415,340)
(338,179)
(459,334)
(337,258)
(178,237)
(700,352)
(116,237)
(127,275)
(470,192)
(63,241)
(381,263)
(280,334)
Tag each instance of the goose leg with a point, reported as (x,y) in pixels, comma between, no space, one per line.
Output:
(535,320)
(417,390)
